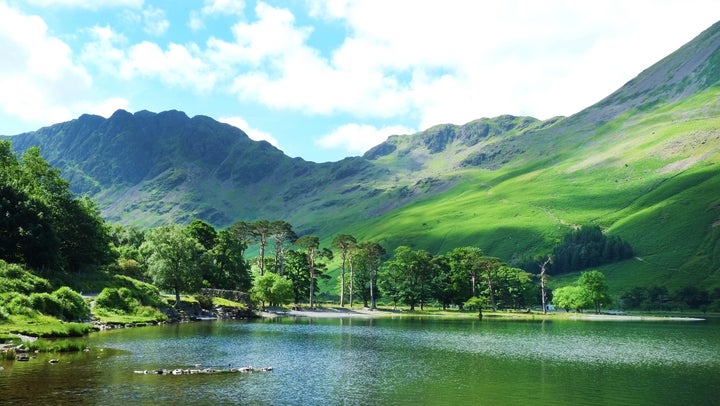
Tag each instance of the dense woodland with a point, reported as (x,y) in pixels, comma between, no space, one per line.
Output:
(55,244)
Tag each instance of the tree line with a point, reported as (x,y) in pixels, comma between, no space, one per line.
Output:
(50,230)
(659,298)
(582,248)
(183,259)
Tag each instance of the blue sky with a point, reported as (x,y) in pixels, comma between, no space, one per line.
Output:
(327,79)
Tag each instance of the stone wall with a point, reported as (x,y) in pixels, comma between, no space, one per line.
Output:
(234,295)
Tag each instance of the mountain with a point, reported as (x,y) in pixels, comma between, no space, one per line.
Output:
(641,163)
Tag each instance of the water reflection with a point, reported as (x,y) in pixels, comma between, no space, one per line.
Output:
(386,361)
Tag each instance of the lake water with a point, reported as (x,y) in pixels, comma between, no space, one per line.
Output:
(414,361)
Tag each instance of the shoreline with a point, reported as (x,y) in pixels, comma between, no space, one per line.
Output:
(365,313)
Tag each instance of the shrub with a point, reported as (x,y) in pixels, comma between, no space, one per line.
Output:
(146,293)
(20,304)
(72,303)
(14,278)
(119,300)
(111,299)
(46,303)
(4,315)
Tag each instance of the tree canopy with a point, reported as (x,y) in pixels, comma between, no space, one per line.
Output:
(174,259)
(44,226)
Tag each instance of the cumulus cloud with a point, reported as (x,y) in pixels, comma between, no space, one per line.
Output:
(227,7)
(106,108)
(456,60)
(154,21)
(88,4)
(177,65)
(254,134)
(214,8)
(39,78)
(358,138)
(419,63)
(450,62)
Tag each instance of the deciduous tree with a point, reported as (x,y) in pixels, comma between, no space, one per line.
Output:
(345,243)
(595,286)
(174,259)
(313,252)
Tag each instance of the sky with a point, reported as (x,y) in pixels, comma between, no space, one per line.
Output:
(328,79)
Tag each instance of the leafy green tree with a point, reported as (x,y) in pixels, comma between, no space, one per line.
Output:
(367,262)
(446,290)
(514,287)
(596,288)
(489,266)
(49,228)
(261,230)
(203,232)
(85,242)
(571,298)
(465,271)
(692,297)
(634,298)
(313,252)
(476,302)
(658,298)
(408,276)
(28,235)
(297,271)
(127,242)
(587,247)
(273,289)
(175,259)
(282,235)
(345,243)
(230,270)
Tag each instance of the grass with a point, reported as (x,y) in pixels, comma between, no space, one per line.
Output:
(149,316)
(43,326)
(651,177)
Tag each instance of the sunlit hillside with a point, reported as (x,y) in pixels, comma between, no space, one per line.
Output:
(642,164)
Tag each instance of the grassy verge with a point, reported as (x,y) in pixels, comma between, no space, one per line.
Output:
(43,326)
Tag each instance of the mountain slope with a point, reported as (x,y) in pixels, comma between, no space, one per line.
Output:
(642,163)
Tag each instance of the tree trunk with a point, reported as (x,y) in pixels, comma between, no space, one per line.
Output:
(311,263)
(312,286)
(352,280)
(342,281)
(542,284)
(372,292)
(474,284)
(492,295)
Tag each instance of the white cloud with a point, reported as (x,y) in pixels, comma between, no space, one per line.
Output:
(89,4)
(215,8)
(358,138)
(226,7)
(154,21)
(177,65)
(456,60)
(106,108)
(39,80)
(254,134)
(453,61)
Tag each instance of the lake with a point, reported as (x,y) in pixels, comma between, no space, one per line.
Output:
(384,361)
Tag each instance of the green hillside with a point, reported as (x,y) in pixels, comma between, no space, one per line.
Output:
(652,178)
(642,164)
